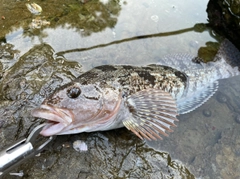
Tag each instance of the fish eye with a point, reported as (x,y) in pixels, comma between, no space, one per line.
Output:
(73,92)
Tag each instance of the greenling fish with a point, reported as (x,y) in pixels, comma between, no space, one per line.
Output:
(146,100)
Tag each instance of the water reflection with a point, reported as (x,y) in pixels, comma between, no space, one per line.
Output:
(196,28)
(90,17)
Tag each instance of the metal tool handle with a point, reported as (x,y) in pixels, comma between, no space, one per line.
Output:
(14,155)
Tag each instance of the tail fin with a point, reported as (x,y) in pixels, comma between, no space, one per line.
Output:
(229,52)
(226,64)
(228,56)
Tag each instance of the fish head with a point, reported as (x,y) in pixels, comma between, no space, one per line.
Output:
(75,108)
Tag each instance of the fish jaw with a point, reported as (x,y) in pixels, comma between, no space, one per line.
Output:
(107,118)
(52,128)
(58,119)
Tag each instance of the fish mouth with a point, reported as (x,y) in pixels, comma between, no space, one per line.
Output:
(58,118)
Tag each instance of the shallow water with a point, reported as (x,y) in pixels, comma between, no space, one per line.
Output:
(93,33)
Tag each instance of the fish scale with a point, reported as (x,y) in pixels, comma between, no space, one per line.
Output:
(132,78)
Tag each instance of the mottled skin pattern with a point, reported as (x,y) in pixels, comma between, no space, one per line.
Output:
(131,79)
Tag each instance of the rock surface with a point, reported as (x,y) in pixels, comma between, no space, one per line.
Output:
(224,18)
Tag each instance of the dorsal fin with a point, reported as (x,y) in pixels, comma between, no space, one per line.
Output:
(153,113)
(195,100)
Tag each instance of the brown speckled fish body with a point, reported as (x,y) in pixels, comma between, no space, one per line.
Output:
(109,97)
(131,79)
(146,99)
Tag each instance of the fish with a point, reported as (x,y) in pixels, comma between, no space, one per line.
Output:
(146,100)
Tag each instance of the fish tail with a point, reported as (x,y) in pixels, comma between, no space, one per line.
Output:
(227,60)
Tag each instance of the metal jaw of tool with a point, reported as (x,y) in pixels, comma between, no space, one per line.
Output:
(14,155)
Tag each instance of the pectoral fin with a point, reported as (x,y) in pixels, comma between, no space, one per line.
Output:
(153,113)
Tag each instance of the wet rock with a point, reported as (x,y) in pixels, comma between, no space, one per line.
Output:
(227,157)
(24,86)
(7,52)
(237,118)
(224,18)
(111,154)
(8,56)
(223,98)
(1,70)
(32,71)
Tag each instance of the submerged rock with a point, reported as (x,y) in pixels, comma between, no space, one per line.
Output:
(227,156)
(224,17)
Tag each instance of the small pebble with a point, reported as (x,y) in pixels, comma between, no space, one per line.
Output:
(207,113)
(222,98)
(38,155)
(66,145)
(80,146)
